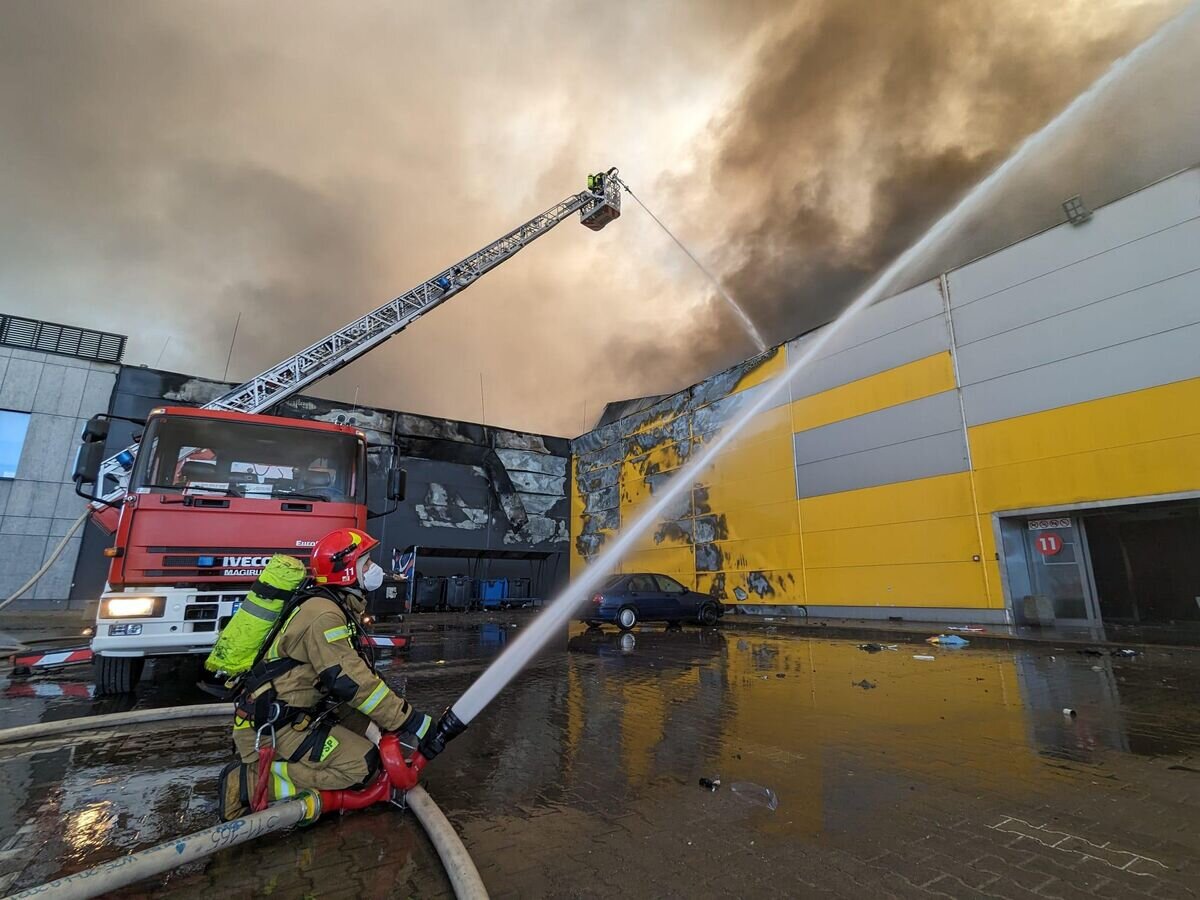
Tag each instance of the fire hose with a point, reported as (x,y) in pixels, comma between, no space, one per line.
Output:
(127,870)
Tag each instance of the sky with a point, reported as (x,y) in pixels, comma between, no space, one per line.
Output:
(167,167)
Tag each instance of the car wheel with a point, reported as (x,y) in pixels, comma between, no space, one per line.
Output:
(707,615)
(626,618)
(116,674)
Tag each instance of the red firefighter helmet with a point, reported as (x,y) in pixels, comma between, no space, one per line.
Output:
(335,557)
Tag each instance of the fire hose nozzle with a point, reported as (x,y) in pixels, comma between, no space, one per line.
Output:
(449,726)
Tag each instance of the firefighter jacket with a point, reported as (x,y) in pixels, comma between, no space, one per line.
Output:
(317,639)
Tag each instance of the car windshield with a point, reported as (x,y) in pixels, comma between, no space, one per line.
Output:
(243,459)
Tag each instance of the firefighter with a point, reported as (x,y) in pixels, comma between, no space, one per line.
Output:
(303,711)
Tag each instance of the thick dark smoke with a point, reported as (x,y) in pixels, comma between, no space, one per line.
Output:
(165,168)
(864,121)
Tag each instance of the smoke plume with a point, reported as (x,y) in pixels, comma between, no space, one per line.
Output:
(167,167)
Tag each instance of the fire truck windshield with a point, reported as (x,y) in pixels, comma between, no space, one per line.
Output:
(242,459)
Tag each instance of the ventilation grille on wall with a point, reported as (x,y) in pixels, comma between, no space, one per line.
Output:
(30,334)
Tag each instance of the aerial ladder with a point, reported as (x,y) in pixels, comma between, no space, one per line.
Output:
(597,206)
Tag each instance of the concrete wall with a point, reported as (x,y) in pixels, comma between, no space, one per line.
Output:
(1061,370)
(38,506)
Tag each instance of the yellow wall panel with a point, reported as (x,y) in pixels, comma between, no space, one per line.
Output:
(912,381)
(760,460)
(768,520)
(726,495)
(929,584)
(1139,417)
(759,553)
(933,540)
(942,496)
(1160,467)
(667,560)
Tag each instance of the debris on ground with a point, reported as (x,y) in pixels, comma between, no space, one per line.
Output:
(781,674)
(756,794)
(711,783)
(1068,712)
(1097,668)
(947,640)
(864,684)
(1090,651)
(1125,654)
(926,658)
(876,648)
(975,629)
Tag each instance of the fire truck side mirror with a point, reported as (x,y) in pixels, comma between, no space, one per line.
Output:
(397,484)
(90,454)
(95,431)
(87,464)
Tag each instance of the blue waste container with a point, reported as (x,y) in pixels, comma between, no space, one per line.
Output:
(493,592)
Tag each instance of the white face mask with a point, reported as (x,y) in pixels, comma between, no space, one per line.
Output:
(371,576)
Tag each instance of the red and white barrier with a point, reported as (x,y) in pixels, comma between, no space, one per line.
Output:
(396,643)
(53,659)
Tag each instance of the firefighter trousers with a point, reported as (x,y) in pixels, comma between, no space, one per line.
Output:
(329,756)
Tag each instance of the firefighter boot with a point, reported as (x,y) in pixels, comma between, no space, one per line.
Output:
(233,792)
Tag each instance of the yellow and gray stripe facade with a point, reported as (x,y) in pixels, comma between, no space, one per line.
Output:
(1061,371)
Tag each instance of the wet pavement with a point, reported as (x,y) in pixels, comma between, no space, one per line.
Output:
(958,776)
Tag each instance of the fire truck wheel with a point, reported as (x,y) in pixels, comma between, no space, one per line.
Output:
(116,674)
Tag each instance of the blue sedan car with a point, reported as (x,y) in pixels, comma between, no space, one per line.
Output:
(626,600)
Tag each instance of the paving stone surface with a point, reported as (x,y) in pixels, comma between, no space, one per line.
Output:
(894,777)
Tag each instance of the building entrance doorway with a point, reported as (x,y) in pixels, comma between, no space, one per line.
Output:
(1145,562)
(1136,564)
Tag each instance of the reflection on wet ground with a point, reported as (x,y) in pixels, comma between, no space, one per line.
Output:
(891,775)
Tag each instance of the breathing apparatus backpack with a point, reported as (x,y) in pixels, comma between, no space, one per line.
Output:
(255,698)
(240,641)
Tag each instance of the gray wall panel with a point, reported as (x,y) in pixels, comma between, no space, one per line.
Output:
(905,422)
(1130,316)
(1151,361)
(1173,200)
(938,454)
(1134,265)
(916,341)
(891,314)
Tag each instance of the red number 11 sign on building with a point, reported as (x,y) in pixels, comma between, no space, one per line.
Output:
(1048,544)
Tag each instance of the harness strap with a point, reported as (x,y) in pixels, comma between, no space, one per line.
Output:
(270,592)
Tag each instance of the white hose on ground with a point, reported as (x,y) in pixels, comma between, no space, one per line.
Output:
(126,870)
(112,720)
(33,579)
(457,862)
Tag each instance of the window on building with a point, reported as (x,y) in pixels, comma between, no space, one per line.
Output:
(13,426)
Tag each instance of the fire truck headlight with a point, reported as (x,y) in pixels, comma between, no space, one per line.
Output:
(131,607)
